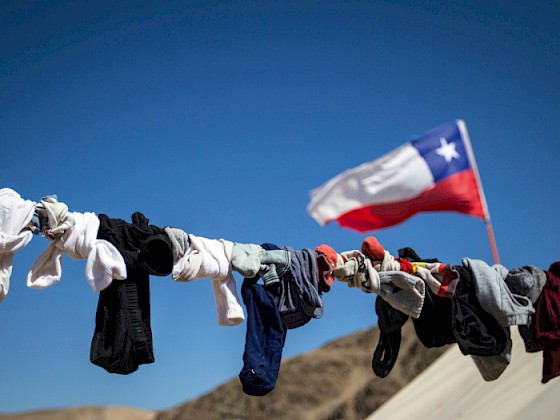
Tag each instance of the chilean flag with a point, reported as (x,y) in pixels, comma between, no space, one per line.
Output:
(436,172)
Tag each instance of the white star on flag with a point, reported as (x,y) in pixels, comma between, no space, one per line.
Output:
(447,150)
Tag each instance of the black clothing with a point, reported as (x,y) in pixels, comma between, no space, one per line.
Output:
(123,337)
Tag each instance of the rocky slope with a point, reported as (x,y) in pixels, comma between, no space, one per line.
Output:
(331,383)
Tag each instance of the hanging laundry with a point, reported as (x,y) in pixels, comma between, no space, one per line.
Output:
(34,224)
(434,309)
(434,326)
(547,323)
(373,249)
(382,260)
(528,281)
(390,322)
(444,321)
(245,259)
(355,270)
(180,242)
(264,340)
(440,278)
(123,337)
(15,215)
(529,336)
(473,304)
(56,216)
(491,367)
(476,331)
(401,290)
(40,221)
(211,258)
(494,295)
(506,308)
(327,259)
(299,297)
(404,292)
(250,260)
(79,241)
(274,308)
(410,255)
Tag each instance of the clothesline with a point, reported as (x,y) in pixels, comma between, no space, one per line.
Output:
(472,304)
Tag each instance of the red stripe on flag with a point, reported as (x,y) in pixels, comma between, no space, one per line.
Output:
(457,193)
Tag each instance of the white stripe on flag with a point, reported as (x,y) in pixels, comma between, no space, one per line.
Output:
(399,175)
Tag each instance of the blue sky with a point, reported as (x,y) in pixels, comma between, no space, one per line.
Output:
(219,118)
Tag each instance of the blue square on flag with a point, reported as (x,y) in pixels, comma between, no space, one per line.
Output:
(443,150)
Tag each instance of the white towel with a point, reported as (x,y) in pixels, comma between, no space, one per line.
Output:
(104,261)
(211,258)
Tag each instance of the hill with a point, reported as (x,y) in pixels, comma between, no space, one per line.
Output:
(334,382)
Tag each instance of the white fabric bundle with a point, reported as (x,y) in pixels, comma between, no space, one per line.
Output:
(79,241)
(211,258)
(355,270)
(15,214)
(59,220)
(388,264)
(401,290)
(429,272)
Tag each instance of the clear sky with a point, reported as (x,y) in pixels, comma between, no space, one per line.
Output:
(219,118)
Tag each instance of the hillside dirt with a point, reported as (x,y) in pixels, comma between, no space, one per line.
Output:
(334,382)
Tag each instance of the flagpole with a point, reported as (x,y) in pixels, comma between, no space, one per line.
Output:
(492,242)
(463,129)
